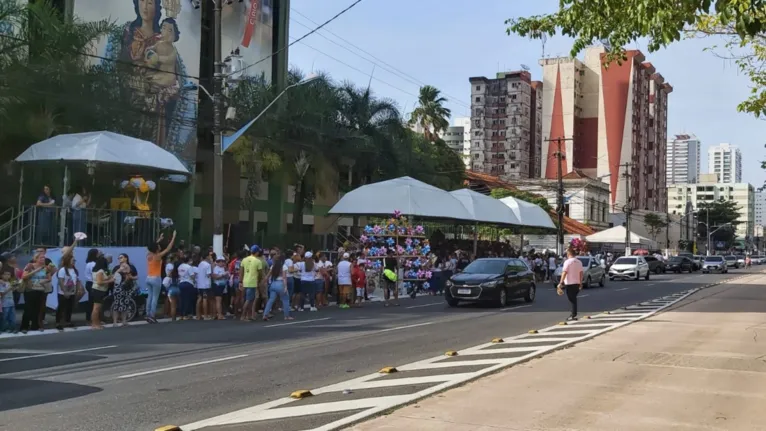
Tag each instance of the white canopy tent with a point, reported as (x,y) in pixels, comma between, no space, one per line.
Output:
(616,235)
(407,195)
(485,209)
(528,213)
(104,148)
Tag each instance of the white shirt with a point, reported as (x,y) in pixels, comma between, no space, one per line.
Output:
(306,275)
(319,265)
(297,273)
(344,273)
(169,269)
(203,275)
(551,262)
(288,264)
(217,270)
(89,271)
(77,202)
(67,275)
(185,273)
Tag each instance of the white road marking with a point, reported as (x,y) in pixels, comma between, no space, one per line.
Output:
(584,296)
(620,290)
(296,322)
(516,307)
(437,365)
(500,351)
(406,327)
(425,305)
(68,352)
(179,367)
(652,284)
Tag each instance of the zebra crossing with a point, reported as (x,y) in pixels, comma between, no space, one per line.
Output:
(339,405)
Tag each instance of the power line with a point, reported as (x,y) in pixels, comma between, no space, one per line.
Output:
(299,39)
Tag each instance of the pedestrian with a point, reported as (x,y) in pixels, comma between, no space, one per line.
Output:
(344,281)
(8,320)
(252,270)
(278,288)
(188,294)
(67,292)
(204,294)
(220,276)
(154,257)
(571,280)
(390,278)
(359,278)
(99,290)
(308,271)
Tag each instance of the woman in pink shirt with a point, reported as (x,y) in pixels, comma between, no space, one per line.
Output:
(571,280)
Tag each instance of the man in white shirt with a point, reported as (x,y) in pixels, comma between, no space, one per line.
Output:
(204,296)
(345,287)
(551,266)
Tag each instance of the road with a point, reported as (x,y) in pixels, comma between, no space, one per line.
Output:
(143,377)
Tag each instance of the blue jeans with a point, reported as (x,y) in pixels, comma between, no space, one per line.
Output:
(308,289)
(8,321)
(277,288)
(290,286)
(153,289)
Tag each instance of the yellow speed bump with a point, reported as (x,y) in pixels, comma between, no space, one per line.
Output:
(534,331)
(450,353)
(587,317)
(299,395)
(168,428)
(497,340)
(388,370)
(562,323)
(607,312)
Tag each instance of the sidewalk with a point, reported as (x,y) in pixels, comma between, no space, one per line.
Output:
(699,366)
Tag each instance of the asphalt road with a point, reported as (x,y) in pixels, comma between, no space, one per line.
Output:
(142,377)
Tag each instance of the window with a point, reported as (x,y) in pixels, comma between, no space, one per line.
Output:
(478,99)
(478,88)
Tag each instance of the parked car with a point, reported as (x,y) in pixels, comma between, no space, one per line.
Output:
(593,272)
(493,280)
(714,264)
(731,261)
(697,259)
(633,267)
(680,264)
(656,266)
(757,260)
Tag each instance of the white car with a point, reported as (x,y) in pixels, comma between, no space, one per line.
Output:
(629,267)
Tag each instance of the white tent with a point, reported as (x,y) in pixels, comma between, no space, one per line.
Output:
(485,209)
(616,235)
(528,213)
(407,195)
(106,148)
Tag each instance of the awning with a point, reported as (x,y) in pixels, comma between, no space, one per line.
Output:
(485,209)
(616,235)
(528,213)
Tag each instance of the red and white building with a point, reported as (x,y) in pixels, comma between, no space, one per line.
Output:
(610,115)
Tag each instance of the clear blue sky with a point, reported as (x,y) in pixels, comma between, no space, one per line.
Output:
(444,42)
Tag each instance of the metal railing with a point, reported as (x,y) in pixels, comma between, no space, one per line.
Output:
(15,234)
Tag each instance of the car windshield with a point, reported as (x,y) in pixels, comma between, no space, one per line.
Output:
(739,256)
(489,266)
(714,259)
(730,257)
(676,259)
(584,260)
(626,261)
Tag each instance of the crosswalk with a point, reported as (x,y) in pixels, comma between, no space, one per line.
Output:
(339,405)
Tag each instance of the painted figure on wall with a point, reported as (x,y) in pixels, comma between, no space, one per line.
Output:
(160,81)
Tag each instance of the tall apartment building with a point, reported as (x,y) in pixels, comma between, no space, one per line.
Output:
(725,160)
(759,198)
(458,138)
(683,162)
(506,128)
(610,116)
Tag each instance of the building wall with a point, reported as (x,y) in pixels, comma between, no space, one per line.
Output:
(741,193)
(586,201)
(759,201)
(683,160)
(561,109)
(725,160)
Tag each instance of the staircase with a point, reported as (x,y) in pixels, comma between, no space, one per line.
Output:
(16,230)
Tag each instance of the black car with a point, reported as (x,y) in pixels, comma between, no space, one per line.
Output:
(495,280)
(680,264)
(655,265)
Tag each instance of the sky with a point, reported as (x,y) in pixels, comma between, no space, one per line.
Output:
(404,44)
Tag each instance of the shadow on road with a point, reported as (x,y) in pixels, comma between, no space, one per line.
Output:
(17,394)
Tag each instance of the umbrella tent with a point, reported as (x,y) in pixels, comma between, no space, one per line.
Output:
(528,213)
(616,235)
(104,148)
(485,209)
(405,194)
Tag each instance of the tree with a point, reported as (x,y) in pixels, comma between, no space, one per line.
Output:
(723,214)
(662,22)
(430,113)
(654,224)
(522,195)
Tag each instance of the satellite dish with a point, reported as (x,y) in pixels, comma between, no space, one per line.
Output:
(525,67)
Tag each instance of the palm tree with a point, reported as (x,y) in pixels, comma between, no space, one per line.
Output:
(431,114)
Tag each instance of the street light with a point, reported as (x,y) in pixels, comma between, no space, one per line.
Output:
(226,142)
(710,234)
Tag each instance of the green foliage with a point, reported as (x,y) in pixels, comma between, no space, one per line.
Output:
(654,224)
(662,22)
(430,113)
(717,214)
(523,195)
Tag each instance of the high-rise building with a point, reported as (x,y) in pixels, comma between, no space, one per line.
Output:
(725,160)
(458,138)
(760,206)
(683,162)
(504,124)
(607,117)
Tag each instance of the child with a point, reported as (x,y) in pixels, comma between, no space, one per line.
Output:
(8,315)
(359,279)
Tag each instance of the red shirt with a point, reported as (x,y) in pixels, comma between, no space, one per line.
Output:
(358,277)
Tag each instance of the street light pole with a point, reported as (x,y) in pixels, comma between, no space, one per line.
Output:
(217,131)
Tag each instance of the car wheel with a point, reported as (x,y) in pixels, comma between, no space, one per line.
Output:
(647,275)
(587,283)
(611,278)
(657,270)
(531,293)
(503,297)
(452,302)
(602,282)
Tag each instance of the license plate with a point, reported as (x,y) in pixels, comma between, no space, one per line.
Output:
(464,291)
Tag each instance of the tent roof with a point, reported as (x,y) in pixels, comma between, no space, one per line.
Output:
(407,195)
(104,147)
(528,213)
(617,235)
(486,209)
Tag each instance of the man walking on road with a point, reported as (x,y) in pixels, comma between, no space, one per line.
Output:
(571,280)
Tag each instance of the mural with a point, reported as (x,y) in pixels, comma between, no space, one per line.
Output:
(160,41)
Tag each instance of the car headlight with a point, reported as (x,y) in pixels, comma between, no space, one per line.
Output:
(492,283)
(449,283)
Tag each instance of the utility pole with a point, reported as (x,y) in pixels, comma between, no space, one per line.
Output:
(627,209)
(560,157)
(218,84)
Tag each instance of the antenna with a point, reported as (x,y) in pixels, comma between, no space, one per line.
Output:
(525,67)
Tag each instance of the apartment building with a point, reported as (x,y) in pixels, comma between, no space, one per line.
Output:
(725,160)
(760,206)
(505,120)
(683,160)
(458,138)
(709,190)
(607,121)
